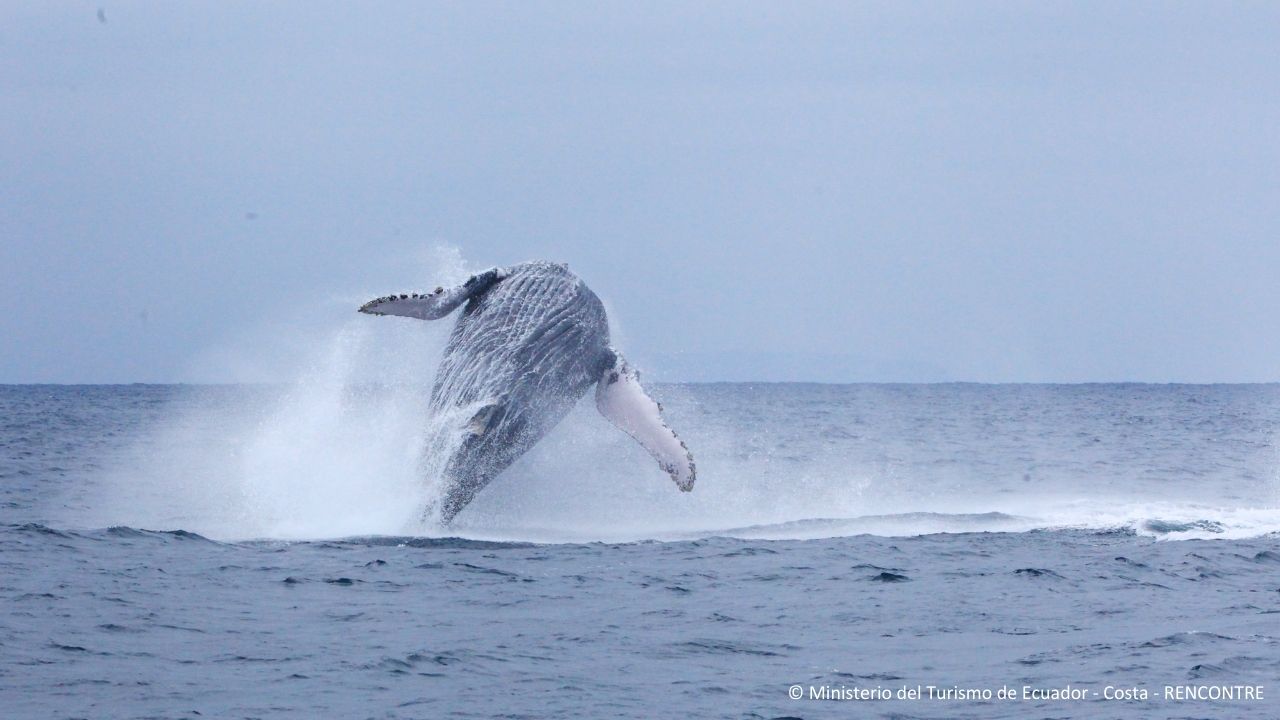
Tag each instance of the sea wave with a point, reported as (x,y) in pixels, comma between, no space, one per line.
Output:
(1161,522)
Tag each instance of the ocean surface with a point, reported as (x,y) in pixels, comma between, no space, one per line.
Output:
(262,552)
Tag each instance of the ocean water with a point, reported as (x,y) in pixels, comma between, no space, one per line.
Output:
(262,552)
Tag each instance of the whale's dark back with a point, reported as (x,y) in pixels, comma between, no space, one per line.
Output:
(522,353)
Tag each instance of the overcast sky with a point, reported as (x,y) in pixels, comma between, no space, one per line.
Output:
(788,191)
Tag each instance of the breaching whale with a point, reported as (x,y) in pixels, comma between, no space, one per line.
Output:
(530,342)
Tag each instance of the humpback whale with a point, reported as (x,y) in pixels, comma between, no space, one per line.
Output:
(530,341)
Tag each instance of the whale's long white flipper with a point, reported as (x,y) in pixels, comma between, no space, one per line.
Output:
(621,399)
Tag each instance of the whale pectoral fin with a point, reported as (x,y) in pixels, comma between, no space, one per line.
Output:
(435,304)
(621,399)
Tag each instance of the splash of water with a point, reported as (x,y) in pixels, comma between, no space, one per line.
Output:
(338,458)
(347,447)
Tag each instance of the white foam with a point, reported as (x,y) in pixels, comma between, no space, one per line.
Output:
(345,448)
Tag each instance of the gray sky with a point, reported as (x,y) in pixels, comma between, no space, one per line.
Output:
(834,192)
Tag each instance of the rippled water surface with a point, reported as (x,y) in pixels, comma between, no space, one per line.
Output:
(261,552)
